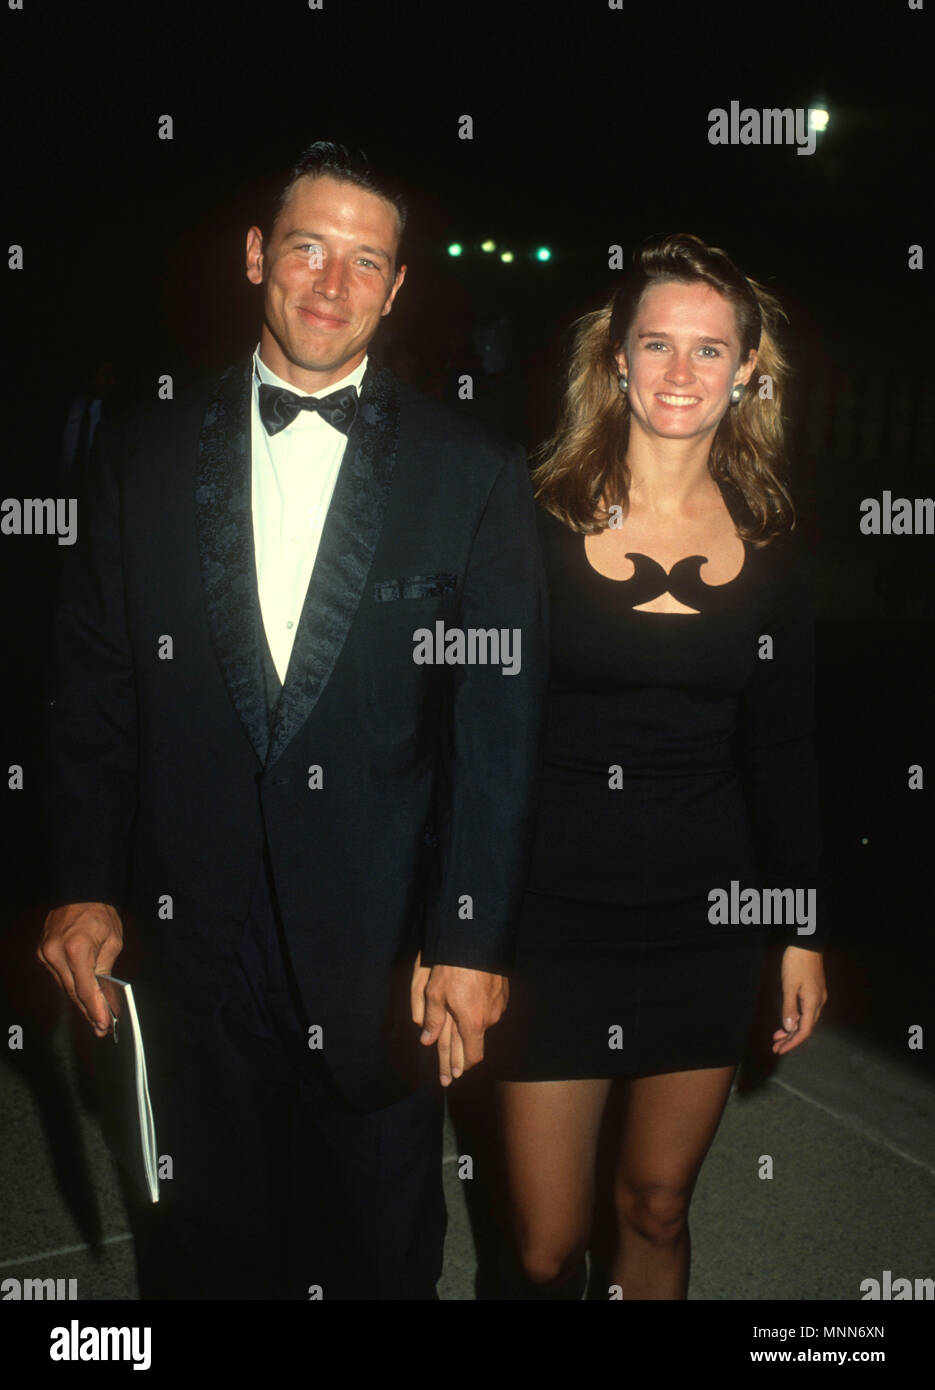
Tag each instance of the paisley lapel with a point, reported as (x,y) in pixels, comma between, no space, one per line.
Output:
(224,510)
(348,541)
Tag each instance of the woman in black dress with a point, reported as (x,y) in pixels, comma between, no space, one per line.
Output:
(679,780)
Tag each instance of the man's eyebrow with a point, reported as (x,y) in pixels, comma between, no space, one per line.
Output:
(319,236)
(701,340)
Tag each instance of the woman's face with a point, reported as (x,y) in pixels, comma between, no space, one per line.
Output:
(682,359)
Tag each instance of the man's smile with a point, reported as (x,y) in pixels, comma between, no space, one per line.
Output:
(319,320)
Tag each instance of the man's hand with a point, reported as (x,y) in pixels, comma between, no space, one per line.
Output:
(455,1007)
(77,941)
(804,995)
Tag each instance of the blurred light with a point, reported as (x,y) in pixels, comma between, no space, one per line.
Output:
(488,246)
(818,118)
(455,248)
(543,253)
(506,256)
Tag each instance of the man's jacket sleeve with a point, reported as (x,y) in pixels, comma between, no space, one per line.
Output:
(89,771)
(495,728)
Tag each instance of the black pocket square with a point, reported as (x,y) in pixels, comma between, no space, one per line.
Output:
(415,586)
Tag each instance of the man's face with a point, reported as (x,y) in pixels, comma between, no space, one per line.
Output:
(329,275)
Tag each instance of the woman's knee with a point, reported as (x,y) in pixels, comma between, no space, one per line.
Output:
(551,1259)
(656,1211)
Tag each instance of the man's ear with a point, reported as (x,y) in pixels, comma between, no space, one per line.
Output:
(400,277)
(255,256)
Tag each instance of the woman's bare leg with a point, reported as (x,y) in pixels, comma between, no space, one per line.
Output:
(668,1124)
(550,1131)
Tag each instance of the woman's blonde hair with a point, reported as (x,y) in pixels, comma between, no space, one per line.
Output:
(581,470)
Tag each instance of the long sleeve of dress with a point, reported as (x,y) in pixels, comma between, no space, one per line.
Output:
(777,748)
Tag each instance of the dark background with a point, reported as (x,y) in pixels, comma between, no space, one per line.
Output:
(590,130)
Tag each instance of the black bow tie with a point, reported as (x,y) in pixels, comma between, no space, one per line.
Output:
(278,407)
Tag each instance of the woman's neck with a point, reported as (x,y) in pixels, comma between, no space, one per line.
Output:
(669,476)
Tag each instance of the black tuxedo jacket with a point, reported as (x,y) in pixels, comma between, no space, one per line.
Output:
(164,782)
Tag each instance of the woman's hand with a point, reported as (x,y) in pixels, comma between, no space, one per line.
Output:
(804,995)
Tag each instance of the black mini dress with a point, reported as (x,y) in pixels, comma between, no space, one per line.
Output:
(679,761)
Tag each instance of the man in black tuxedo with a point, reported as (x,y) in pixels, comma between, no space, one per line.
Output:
(256,753)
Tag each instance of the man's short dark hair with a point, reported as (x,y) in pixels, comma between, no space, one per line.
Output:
(325,158)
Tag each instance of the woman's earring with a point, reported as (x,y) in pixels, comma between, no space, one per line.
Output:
(622,381)
(736,396)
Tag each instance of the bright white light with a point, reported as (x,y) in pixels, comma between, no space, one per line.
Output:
(818,118)
(506,256)
(455,248)
(488,246)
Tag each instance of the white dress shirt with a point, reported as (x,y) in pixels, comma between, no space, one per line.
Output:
(293,477)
